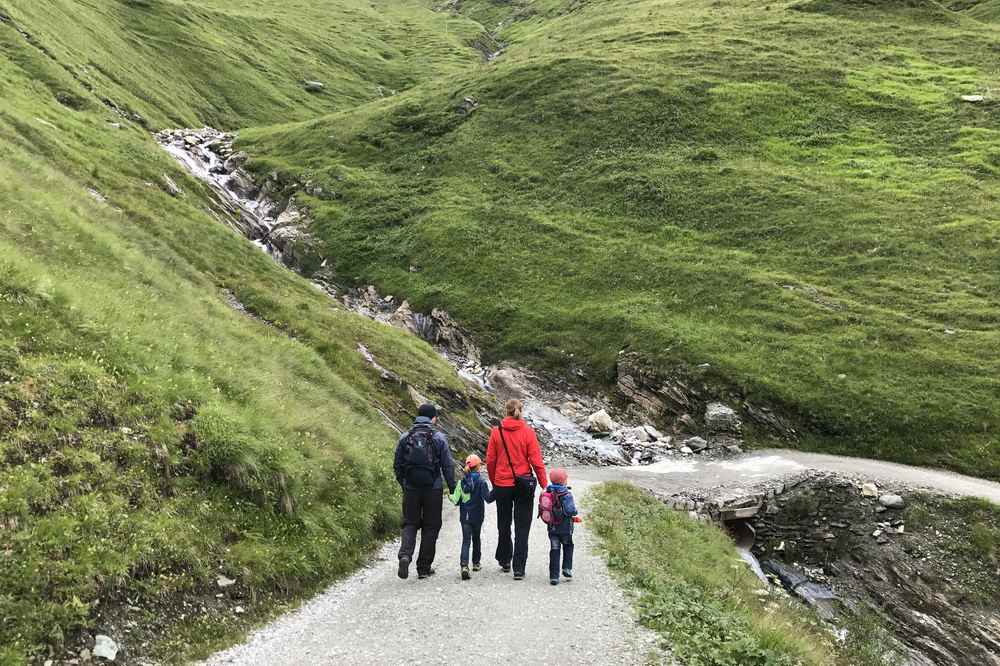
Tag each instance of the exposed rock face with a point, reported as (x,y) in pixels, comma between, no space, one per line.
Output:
(926,592)
(671,397)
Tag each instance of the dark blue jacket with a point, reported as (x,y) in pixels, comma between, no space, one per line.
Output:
(443,455)
(474,511)
(569,509)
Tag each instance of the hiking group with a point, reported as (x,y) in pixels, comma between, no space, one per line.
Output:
(514,465)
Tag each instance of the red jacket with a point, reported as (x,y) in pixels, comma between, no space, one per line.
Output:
(524,453)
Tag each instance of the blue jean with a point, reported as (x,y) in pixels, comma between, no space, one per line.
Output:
(557,543)
(471,536)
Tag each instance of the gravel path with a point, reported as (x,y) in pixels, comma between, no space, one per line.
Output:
(693,472)
(373,617)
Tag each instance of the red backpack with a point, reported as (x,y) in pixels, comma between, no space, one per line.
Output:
(550,508)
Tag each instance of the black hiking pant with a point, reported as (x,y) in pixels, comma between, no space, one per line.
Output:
(421,510)
(519,508)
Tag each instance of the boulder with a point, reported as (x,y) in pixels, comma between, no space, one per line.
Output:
(890,501)
(224,582)
(869,490)
(653,433)
(600,422)
(695,444)
(313,86)
(637,434)
(721,418)
(105,648)
(972,98)
(685,449)
(235,161)
(505,381)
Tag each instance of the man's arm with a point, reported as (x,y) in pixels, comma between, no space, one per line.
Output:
(397,464)
(447,464)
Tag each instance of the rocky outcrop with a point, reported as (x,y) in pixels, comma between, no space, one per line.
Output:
(686,403)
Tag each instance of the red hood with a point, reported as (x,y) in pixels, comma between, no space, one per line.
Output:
(510,425)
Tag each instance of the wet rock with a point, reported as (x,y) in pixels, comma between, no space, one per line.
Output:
(313,86)
(695,444)
(600,422)
(720,418)
(105,648)
(235,161)
(505,382)
(891,501)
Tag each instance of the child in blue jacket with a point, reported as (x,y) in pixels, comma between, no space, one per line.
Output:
(561,534)
(472,495)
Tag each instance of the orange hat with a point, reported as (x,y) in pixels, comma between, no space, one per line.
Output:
(559,475)
(473,461)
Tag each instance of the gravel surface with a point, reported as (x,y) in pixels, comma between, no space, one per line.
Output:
(373,617)
(693,473)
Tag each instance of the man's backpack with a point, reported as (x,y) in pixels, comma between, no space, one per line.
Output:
(421,465)
(550,508)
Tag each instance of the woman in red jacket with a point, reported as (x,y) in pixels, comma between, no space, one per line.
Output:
(513,451)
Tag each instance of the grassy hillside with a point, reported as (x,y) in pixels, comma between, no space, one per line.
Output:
(153,436)
(792,193)
(182,63)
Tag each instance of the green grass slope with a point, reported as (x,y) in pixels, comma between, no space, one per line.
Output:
(189,62)
(152,436)
(790,192)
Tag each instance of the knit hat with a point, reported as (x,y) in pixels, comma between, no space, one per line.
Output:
(473,461)
(559,475)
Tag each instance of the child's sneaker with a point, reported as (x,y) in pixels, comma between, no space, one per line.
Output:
(554,581)
(567,574)
(477,566)
(465,573)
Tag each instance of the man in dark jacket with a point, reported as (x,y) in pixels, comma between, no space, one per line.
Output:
(422,458)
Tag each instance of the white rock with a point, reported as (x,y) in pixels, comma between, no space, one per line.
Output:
(224,582)
(600,421)
(971,98)
(105,648)
(891,501)
(869,490)
(721,418)
(637,434)
(685,449)
(653,433)
(239,610)
(313,86)
(695,443)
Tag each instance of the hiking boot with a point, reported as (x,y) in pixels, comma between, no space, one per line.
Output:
(477,566)
(518,575)
(465,573)
(505,568)
(568,574)
(554,581)
(404,567)
(425,574)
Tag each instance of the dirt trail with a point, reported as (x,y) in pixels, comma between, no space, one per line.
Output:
(373,617)
(691,473)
